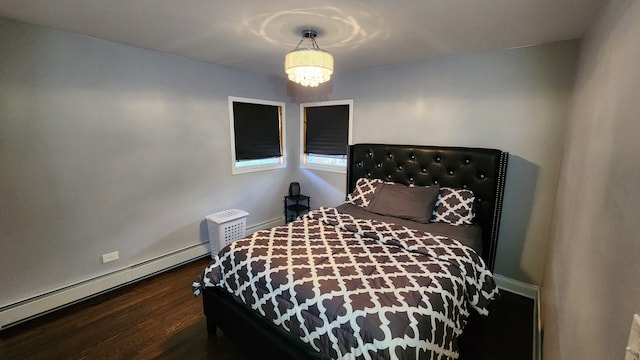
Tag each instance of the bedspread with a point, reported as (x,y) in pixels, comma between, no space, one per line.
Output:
(355,288)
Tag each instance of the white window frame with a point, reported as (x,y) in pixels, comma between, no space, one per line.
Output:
(247,166)
(307,161)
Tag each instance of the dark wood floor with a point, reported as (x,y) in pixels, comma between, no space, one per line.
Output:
(506,334)
(160,318)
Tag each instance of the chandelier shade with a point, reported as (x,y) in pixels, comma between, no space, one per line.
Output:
(308,66)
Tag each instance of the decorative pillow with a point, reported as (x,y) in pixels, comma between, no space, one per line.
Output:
(454,206)
(363,192)
(411,203)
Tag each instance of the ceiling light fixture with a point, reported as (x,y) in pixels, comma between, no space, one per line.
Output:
(308,66)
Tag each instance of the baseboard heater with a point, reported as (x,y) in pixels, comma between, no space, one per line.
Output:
(532,292)
(71,294)
(41,304)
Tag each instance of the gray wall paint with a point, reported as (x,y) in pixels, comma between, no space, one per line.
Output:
(107,147)
(516,100)
(591,286)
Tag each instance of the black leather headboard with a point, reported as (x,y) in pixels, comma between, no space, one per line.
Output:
(482,171)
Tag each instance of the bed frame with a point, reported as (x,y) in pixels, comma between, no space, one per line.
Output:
(482,171)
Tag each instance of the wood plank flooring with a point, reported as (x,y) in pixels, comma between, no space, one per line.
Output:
(159,318)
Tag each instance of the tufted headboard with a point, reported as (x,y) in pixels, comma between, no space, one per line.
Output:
(482,171)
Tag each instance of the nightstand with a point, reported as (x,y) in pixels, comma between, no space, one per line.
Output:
(295,206)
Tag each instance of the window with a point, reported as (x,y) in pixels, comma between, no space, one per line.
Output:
(257,134)
(326,134)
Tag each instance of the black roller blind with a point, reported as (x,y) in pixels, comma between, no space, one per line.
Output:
(256,130)
(327,130)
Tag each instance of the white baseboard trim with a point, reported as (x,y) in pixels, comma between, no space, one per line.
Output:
(516,286)
(26,309)
(20,311)
(266,225)
(38,305)
(145,269)
(530,291)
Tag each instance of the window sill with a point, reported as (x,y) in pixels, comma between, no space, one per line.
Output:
(334,169)
(250,169)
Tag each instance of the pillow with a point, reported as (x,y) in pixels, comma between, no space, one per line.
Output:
(411,203)
(454,206)
(363,192)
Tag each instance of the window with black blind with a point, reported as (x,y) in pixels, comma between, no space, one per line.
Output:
(326,135)
(257,134)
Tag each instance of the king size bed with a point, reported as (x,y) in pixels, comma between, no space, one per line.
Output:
(392,273)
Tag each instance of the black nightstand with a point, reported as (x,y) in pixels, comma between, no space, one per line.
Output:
(295,206)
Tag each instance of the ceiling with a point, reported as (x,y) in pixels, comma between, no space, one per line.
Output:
(255,35)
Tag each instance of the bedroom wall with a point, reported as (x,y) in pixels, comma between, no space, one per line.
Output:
(515,100)
(106,147)
(590,290)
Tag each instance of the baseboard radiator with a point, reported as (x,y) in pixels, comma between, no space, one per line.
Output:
(532,292)
(21,311)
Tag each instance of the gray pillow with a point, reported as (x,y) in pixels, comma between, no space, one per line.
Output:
(406,202)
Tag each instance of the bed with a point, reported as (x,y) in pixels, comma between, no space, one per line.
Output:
(376,277)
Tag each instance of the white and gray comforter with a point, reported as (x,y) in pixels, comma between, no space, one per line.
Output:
(356,288)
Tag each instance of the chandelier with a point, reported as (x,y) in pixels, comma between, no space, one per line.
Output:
(308,66)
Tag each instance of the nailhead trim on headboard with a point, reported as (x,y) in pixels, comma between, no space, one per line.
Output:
(480,170)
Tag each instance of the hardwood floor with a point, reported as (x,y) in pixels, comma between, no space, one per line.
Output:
(159,318)
(156,318)
(506,334)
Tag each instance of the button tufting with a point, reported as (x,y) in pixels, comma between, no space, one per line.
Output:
(464,186)
(390,155)
(466,161)
(450,172)
(379,165)
(438,159)
(435,182)
(412,156)
(400,167)
(482,176)
(424,170)
(369,174)
(389,176)
(359,164)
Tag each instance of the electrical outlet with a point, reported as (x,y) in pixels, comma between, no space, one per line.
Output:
(112,256)
(633,348)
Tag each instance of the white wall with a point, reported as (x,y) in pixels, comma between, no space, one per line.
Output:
(591,286)
(106,147)
(515,100)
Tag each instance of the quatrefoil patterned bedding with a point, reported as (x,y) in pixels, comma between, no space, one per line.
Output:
(357,288)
